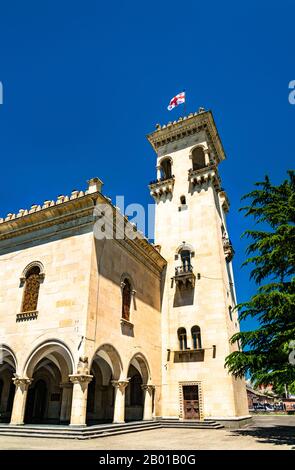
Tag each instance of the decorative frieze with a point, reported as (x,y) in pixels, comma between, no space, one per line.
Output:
(160,187)
(204,175)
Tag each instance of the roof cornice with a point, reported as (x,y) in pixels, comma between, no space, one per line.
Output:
(185,126)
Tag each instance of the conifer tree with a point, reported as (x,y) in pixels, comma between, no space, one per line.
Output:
(265,352)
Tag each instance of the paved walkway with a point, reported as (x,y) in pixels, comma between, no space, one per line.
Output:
(266,432)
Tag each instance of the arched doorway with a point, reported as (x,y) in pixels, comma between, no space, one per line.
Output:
(49,367)
(138,374)
(106,366)
(7,388)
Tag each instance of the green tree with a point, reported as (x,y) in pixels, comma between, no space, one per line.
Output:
(264,352)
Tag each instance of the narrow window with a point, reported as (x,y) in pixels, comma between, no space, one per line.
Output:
(126,300)
(196,337)
(182,339)
(166,169)
(182,200)
(31,291)
(186,261)
(198,157)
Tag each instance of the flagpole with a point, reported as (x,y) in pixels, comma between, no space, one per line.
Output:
(184,107)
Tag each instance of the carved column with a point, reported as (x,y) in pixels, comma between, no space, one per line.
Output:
(79,400)
(66,401)
(159,172)
(148,401)
(207,157)
(20,399)
(119,406)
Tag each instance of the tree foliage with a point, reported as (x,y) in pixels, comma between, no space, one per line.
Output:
(264,351)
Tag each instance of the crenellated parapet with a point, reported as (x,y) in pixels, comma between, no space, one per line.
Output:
(94,185)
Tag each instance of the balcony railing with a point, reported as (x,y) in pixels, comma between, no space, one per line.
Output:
(204,175)
(160,180)
(161,186)
(184,276)
(184,269)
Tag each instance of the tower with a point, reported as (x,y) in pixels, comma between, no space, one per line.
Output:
(198,290)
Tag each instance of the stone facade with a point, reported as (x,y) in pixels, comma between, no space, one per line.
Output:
(190,216)
(76,356)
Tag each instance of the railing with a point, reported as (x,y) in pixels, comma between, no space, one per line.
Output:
(184,269)
(161,180)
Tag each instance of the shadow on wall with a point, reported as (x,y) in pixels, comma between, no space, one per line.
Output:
(183,296)
(189,356)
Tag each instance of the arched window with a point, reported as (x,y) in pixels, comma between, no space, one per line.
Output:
(185,256)
(31,291)
(196,337)
(198,157)
(182,200)
(182,338)
(166,169)
(126,300)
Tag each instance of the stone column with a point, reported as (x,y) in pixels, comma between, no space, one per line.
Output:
(79,400)
(159,172)
(119,406)
(66,401)
(20,399)
(207,157)
(148,401)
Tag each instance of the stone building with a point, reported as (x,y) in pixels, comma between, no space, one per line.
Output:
(111,329)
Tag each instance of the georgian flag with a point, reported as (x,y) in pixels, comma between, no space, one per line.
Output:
(178,99)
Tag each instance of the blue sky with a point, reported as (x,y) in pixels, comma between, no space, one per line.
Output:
(84,82)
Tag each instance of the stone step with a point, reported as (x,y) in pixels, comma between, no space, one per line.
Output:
(195,424)
(82,433)
(103,430)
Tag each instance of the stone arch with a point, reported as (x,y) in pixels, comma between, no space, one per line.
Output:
(164,167)
(185,246)
(140,362)
(109,354)
(7,355)
(55,350)
(106,367)
(48,366)
(31,265)
(198,156)
(139,375)
(8,368)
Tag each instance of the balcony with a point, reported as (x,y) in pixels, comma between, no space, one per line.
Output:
(204,176)
(189,355)
(228,249)
(161,186)
(184,276)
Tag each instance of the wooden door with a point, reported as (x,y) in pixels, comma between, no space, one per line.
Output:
(191,402)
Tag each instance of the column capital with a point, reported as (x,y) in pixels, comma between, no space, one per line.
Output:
(21,381)
(80,378)
(120,384)
(148,387)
